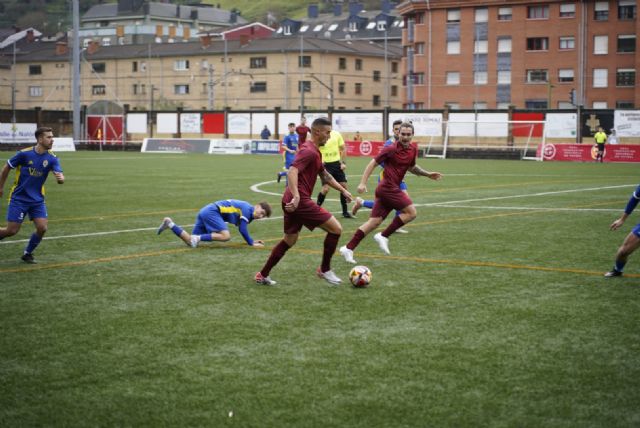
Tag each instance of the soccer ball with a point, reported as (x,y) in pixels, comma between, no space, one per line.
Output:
(360,276)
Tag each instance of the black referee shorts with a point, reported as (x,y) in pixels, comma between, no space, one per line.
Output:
(333,168)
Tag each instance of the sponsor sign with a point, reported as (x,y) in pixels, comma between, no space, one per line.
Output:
(17,133)
(63,145)
(587,152)
(175,145)
(230,147)
(364,148)
(265,147)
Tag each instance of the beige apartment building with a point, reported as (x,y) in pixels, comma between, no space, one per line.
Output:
(545,54)
(210,75)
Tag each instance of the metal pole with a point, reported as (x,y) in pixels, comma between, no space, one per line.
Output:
(210,69)
(75,88)
(13,89)
(386,68)
(301,65)
(226,101)
(151,112)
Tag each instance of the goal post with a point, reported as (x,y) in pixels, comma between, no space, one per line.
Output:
(525,137)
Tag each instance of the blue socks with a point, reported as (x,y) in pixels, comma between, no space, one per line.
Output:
(33,243)
(367,204)
(206,237)
(176,229)
(619,266)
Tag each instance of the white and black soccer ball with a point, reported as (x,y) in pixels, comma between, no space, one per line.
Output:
(360,276)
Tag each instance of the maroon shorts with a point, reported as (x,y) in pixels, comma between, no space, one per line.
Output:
(308,214)
(386,201)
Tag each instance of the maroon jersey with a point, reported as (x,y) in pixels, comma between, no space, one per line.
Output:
(308,162)
(302,132)
(397,161)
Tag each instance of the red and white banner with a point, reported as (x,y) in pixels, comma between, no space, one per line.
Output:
(364,148)
(587,152)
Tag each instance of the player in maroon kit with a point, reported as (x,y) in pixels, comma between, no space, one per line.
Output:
(302,130)
(398,158)
(300,210)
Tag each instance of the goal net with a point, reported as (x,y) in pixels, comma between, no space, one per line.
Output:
(526,139)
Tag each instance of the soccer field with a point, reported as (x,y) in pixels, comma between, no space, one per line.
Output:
(491,311)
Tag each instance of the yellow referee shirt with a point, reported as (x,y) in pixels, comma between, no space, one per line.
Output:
(331,150)
(600,137)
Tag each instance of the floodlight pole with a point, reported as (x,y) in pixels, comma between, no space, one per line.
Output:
(75,88)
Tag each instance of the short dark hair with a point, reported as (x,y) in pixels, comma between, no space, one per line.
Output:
(408,125)
(291,124)
(321,121)
(396,122)
(41,130)
(266,207)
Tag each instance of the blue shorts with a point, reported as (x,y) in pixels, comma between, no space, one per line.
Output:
(288,161)
(16,211)
(636,230)
(209,220)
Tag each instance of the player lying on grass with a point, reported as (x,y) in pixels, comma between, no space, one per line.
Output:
(398,158)
(211,222)
(631,242)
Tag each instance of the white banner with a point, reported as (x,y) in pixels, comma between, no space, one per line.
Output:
(18,133)
(230,147)
(167,123)
(627,123)
(496,124)
(353,122)
(462,125)
(137,123)
(424,124)
(61,144)
(561,125)
(239,123)
(190,123)
(259,120)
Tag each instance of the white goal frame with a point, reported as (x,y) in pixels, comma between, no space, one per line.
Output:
(478,134)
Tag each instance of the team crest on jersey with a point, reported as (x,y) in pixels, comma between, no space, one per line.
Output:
(30,162)
(45,163)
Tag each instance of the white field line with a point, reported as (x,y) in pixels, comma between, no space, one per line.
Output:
(438,204)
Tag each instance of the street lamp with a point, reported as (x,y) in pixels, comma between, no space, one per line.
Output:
(329,87)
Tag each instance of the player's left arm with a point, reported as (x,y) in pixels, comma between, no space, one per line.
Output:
(244,231)
(329,180)
(3,177)
(57,172)
(419,171)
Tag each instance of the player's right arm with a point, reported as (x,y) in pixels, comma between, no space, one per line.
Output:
(292,205)
(631,205)
(3,177)
(362,187)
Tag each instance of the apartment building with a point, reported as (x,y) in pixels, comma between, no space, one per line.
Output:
(531,54)
(210,75)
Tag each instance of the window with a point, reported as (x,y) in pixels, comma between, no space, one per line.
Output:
(134,66)
(358,64)
(304,61)
(332,27)
(481,46)
(626,77)
(181,89)
(98,90)
(419,18)
(98,67)
(599,105)
(600,77)
(625,104)
(304,85)
(258,62)
(181,64)
(537,76)
(143,66)
(568,10)
(453,15)
(504,14)
(287,30)
(504,45)
(353,26)
(538,44)
(376,100)
(394,90)
(565,75)
(452,105)
(568,42)
(257,87)
(341,87)
(358,88)
(538,12)
(626,9)
(35,91)
(479,105)
(535,104)
(304,28)
(481,14)
(480,78)
(380,25)
(394,67)
(376,75)
(600,45)
(35,69)
(626,43)
(342,63)
(419,49)
(317,28)
(418,78)
(106,41)
(453,77)
(453,47)
(601,12)
(504,77)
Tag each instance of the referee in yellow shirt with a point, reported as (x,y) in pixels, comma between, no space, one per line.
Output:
(601,139)
(333,154)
